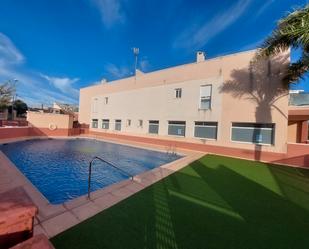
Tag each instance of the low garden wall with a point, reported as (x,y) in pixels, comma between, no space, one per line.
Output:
(13,132)
(18,132)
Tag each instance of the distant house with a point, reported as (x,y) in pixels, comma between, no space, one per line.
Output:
(66,109)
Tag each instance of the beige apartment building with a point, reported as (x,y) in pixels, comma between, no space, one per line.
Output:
(232,101)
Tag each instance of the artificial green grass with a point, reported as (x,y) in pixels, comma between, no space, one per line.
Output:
(215,202)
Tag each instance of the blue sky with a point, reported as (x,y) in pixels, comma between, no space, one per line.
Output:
(55,47)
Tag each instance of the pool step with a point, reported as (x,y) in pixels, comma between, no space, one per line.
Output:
(17,213)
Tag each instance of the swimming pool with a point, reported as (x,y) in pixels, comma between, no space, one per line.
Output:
(58,168)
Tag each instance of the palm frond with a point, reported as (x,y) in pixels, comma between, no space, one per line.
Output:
(297,70)
(291,31)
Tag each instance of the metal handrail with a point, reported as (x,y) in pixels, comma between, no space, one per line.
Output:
(110,164)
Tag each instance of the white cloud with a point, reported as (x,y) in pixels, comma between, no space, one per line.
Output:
(8,52)
(197,35)
(30,86)
(44,96)
(111,11)
(63,84)
(263,7)
(116,72)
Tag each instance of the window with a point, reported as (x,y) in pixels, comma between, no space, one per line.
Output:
(106,100)
(253,133)
(94,106)
(205,97)
(153,127)
(177,128)
(105,124)
(140,123)
(118,124)
(206,130)
(94,123)
(178,92)
(128,122)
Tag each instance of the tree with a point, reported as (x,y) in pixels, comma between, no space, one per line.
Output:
(20,107)
(7,91)
(292,32)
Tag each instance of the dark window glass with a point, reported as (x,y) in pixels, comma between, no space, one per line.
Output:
(177,128)
(253,133)
(153,127)
(206,130)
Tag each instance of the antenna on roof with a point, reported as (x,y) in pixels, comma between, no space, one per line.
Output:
(135,52)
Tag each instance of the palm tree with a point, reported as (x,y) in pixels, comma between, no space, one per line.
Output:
(291,32)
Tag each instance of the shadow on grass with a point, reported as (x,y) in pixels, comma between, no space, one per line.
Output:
(213,203)
(269,220)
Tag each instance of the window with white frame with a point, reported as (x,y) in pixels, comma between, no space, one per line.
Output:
(105,124)
(205,97)
(118,124)
(177,128)
(207,130)
(128,122)
(105,100)
(94,106)
(178,93)
(153,127)
(256,133)
(140,123)
(94,123)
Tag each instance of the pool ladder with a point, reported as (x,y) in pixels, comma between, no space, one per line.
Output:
(108,163)
(171,150)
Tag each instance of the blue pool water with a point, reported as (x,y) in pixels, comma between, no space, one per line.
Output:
(59,167)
